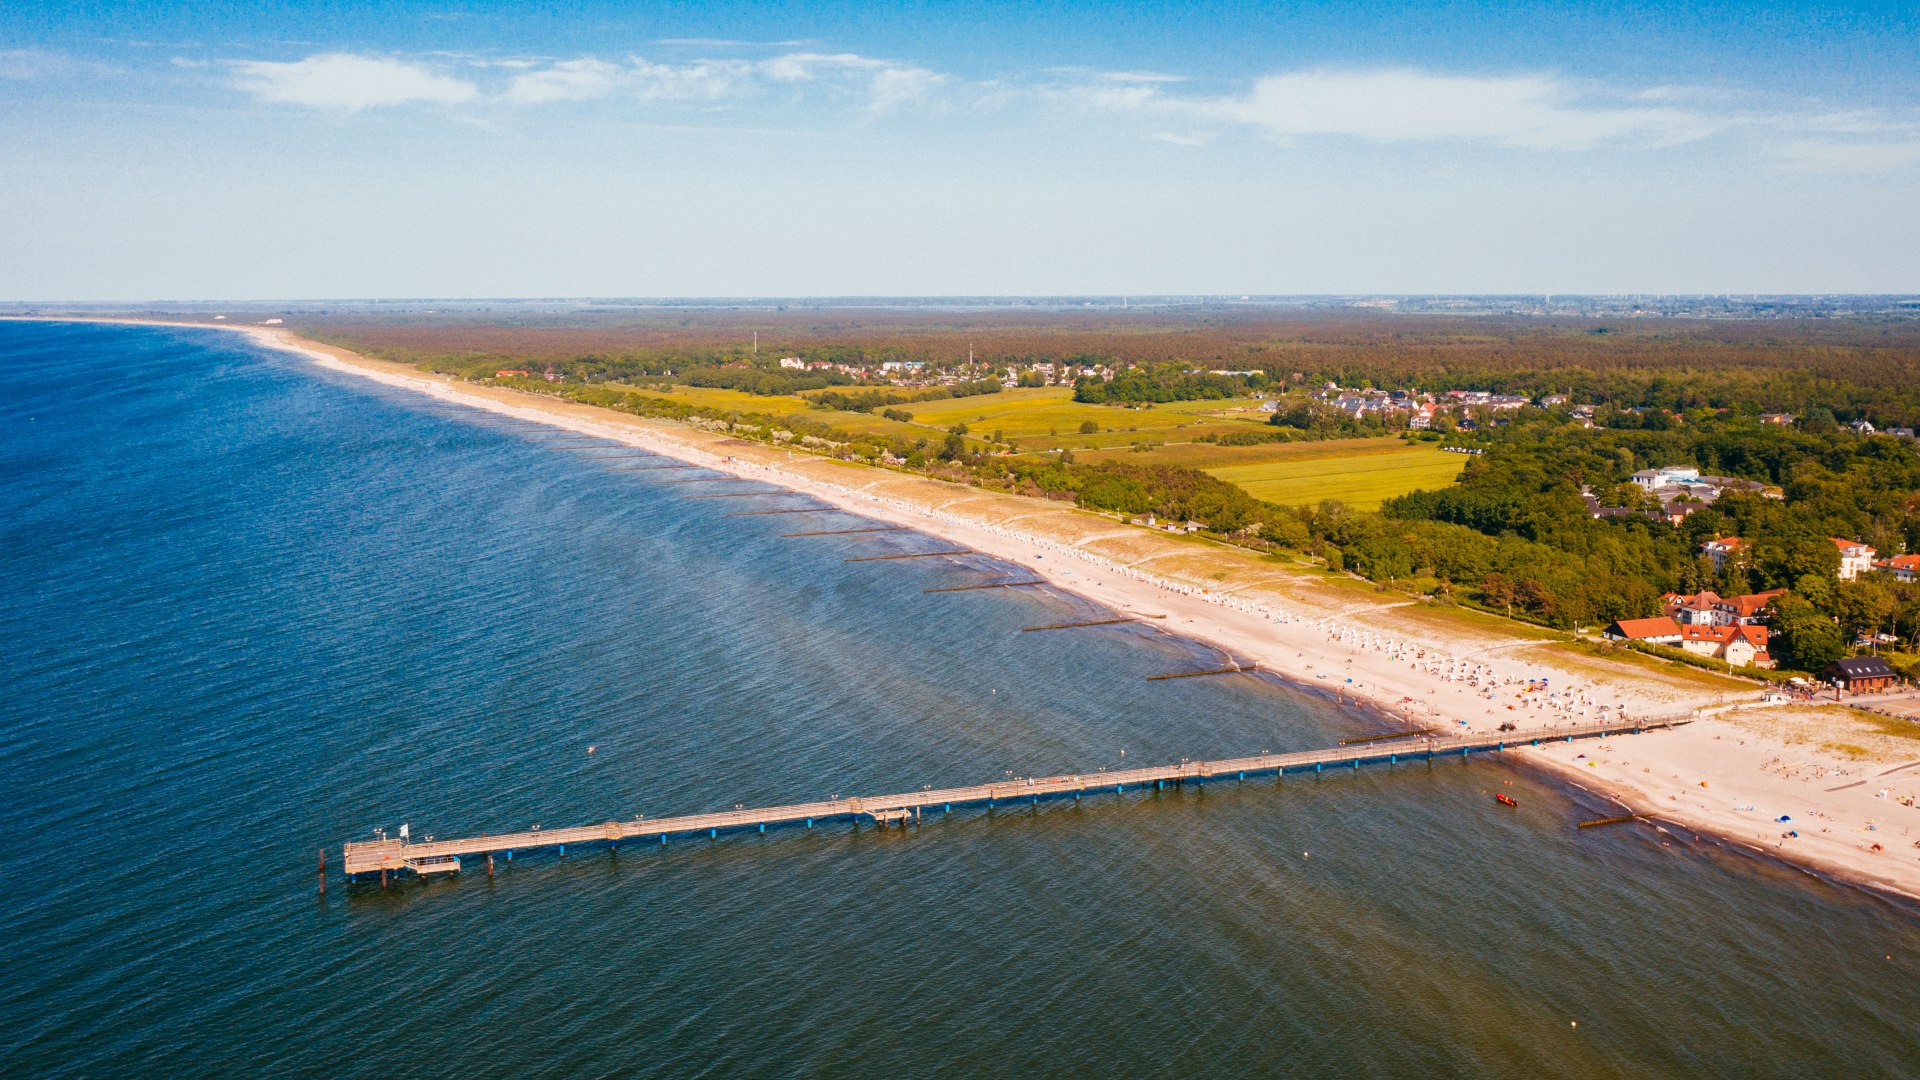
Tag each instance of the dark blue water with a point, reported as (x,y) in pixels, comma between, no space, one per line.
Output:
(254,609)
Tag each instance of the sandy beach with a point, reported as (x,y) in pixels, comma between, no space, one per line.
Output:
(1777,781)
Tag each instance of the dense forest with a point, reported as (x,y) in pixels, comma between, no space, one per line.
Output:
(1855,368)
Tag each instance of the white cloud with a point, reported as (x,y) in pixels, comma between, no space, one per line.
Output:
(704,80)
(1538,111)
(348,82)
(895,87)
(568,80)
(800,67)
(25,64)
(1180,140)
(1138,77)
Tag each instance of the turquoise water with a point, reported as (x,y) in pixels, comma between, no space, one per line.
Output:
(255,608)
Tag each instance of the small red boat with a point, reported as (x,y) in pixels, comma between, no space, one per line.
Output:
(1504,799)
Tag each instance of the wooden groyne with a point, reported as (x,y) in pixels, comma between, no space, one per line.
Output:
(649,468)
(1076,625)
(988,585)
(745,494)
(794,510)
(910,555)
(1234,670)
(846,532)
(385,857)
(1620,820)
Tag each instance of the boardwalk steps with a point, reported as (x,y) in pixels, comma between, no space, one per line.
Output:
(385,857)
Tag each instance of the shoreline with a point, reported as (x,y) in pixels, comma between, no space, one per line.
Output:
(1384,657)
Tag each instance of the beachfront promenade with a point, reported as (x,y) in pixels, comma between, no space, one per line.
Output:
(385,857)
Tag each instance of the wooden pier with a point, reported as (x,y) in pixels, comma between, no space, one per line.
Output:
(380,859)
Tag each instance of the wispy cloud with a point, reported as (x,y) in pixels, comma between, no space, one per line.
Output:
(1398,105)
(568,80)
(26,64)
(1385,106)
(346,82)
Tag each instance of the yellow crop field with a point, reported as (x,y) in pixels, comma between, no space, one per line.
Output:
(1361,478)
(1043,416)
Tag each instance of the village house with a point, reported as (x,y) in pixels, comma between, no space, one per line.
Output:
(1783,419)
(1902,567)
(1741,646)
(793,363)
(1656,631)
(1707,608)
(1856,558)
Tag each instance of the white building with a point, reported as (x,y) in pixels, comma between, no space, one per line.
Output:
(1655,479)
(1856,558)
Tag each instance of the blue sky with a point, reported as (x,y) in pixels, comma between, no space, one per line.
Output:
(333,150)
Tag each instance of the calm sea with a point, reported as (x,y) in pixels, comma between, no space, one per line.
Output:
(253,608)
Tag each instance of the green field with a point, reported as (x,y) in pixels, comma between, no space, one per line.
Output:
(733,400)
(1362,478)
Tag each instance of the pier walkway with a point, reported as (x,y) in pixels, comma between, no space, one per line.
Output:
(379,858)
